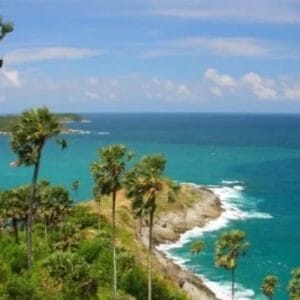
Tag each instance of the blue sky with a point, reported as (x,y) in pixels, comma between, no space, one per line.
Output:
(151,55)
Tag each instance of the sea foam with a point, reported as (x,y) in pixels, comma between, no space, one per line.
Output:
(235,207)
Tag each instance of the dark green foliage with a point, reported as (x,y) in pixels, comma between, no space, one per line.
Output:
(19,288)
(73,273)
(66,236)
(9,121)
(83,217)
(91,250)
(52,203)
(134,282)
(12,254)
(294,285)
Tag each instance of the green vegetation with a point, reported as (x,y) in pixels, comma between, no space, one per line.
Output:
(7,122)
(28,138)
(144,183)
(5,28)
(294,285)
(269,286)
(197,247)
(108,172)
(229,247)
(53,249)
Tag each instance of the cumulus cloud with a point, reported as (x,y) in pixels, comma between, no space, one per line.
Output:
(262,88)
(223,80)
(219,82)
(137,91)
(27,55)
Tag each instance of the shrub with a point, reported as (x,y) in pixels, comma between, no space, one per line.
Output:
(19,288)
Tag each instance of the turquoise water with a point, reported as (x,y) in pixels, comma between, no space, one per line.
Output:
(252,162)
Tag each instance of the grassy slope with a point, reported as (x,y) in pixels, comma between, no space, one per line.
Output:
(127,225)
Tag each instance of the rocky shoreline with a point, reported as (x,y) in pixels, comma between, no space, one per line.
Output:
(168,228)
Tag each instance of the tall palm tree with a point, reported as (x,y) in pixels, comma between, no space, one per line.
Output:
(269,286)
(107,173)
(144,182)
(229,247)
(294,285)
(28,138)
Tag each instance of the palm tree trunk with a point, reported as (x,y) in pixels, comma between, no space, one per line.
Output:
(140,227)
(232,283)
(45,232)
(31,200)
(99,215)
(16,230)
(114,194)
(150,255)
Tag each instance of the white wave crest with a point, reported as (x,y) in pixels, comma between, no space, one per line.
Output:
(233,204)
(229,182)
(223,289)
(103,132)
(77,131)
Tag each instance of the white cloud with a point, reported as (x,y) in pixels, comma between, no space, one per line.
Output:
(292,91)
(216,91)
(218,83)
(274,11)
(236,46)
(223,80)
(27,55)
(10,78)
(262,88)
(226,46)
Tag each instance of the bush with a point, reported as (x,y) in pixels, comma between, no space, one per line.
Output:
(19,288)
(13,254)
(66,236)
(73,273)
(83,217)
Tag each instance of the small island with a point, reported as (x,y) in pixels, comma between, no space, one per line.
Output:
(8,121)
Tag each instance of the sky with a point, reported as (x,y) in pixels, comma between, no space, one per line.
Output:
(151,56)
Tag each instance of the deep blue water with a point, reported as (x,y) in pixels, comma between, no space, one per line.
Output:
(262,152)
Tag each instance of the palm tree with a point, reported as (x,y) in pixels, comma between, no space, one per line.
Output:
(13,208)
(229,247)
(97,199)
(197,247)
(5,28)
(144,182)
(53,202)
(269,286)
(107,173)
(294,285)
(28,138)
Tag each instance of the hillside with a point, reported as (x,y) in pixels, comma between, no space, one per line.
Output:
(192,207)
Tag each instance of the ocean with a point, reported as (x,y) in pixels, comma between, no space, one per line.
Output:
(252,162)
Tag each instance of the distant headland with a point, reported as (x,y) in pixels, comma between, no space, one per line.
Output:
(8,121)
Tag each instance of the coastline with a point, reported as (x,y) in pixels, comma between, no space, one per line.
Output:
(169,227)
